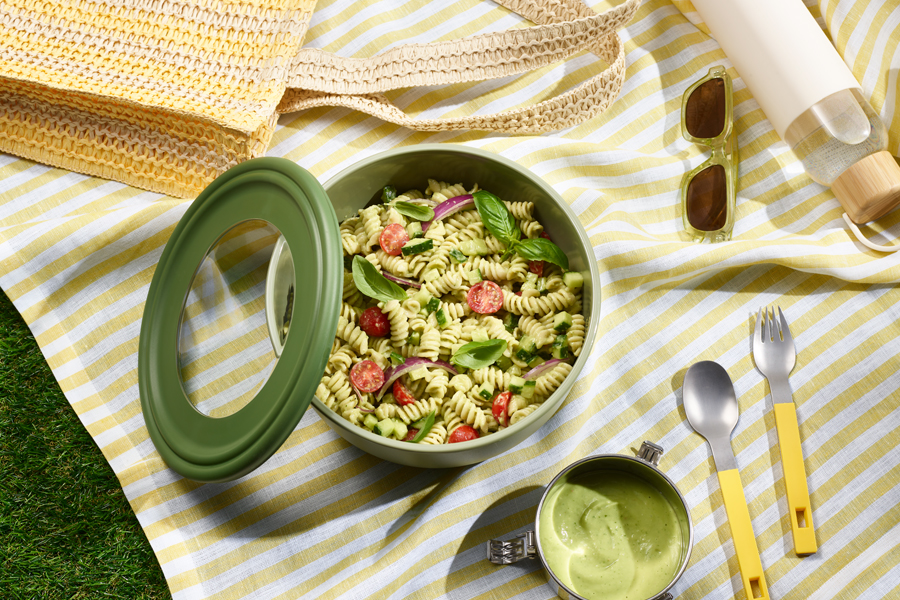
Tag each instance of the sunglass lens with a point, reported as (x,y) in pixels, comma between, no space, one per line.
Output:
(707,199)
(705,109)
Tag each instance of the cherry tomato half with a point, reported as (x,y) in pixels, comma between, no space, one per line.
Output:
(367,376)
(374,322)
(402,394)
(392,239)
(500,406)
(463,433)
(545,235)
(536,267)
(411,435)
(485,297)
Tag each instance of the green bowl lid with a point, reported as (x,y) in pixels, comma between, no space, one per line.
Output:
(210,449)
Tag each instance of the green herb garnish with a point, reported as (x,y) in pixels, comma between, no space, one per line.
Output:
(502,225)
(373,284)
(414,211)
(477,355)
(426,428)
(542,249)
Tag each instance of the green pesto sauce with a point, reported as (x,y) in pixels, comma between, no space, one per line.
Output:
(609,535)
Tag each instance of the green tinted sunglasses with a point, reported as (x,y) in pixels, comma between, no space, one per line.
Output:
(708,192)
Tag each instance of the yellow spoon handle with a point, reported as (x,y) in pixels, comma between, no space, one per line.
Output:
(799,507)
(742,533)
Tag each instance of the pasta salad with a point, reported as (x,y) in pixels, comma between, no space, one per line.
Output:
(459,316)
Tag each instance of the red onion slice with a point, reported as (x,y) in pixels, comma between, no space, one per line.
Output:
(414,362)
(396,279)
(449,207)
(358,393)
(541,369)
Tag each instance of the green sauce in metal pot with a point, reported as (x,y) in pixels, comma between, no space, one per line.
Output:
(609,535)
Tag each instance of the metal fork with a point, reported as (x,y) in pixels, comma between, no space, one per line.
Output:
(775,356)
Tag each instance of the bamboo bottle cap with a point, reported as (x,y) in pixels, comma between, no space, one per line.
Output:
(869,188)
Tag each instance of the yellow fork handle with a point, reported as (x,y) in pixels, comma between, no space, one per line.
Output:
(742,533)
(799,507)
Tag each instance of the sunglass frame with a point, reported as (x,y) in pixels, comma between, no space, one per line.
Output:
(723,151)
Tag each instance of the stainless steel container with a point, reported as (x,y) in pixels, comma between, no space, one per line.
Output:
(644,466)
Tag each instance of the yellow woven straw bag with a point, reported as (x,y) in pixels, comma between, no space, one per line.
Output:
(166,95)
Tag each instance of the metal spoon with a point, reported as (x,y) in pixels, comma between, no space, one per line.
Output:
(712,410)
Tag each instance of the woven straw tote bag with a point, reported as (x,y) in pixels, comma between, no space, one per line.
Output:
(166,95)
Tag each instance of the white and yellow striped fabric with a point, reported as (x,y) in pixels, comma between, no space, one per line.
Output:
(321,519)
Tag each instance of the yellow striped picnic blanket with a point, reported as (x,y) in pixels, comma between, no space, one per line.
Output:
(321,519)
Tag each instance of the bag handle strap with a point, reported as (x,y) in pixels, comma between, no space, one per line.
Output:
(564,27)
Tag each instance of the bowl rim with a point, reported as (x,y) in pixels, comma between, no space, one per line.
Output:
(555,399)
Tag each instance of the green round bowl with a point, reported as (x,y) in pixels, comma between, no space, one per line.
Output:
(409,168)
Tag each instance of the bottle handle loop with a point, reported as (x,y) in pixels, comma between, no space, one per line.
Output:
(864,241)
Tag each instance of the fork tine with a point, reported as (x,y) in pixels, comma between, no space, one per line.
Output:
(776,326)
(768,326)
(785,330)
(759,334)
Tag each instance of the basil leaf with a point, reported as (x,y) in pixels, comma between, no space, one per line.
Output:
(497,218)
(373,284)
(388,194)
(426,428)
(414,211)
(477,355)
(543,249)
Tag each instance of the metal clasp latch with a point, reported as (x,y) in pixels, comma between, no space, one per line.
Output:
(650,453)
(506,553)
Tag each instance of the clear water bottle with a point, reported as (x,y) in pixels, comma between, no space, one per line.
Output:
(811,98)
(842,143)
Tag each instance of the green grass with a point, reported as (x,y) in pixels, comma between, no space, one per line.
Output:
(66,529)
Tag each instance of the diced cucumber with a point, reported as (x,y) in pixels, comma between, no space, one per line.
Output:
(419,373)
(417,246)
(388,194)
(504,363)
(400,430)
(573,280)
(385,427)
(474,276)
(414,230)
(414,339)
(535,361)
(531,278)
(528,389)
(516,385)
(458,256)
(441,317)
(480,335)
(397,359)
(527,344)
(432,305)
(560,347)
(528,286)
(561,322)
(422,297)
(487,390)
(511,321)
(476,247)
(541,284)
(370,421)
(430,275)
